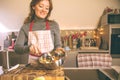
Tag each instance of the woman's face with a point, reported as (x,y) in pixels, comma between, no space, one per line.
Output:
(42,8)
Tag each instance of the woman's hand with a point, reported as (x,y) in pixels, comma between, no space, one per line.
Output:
(34,49)
(60,49)
(59,53)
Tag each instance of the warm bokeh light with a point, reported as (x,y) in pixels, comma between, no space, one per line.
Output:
(3,28)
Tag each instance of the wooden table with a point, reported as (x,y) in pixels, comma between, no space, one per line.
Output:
(31,74)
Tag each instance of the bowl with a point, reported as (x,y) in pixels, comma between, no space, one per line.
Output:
(50,62)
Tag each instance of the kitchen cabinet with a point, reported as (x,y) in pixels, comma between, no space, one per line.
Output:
(109,33)
(71,56)
(70,60)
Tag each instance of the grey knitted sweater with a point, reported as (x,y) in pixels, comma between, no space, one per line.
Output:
(21,44)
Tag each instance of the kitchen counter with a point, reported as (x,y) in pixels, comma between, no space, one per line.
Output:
(70,60)
(112,74)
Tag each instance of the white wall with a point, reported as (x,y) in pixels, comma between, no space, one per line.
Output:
(70,14)
(81,14)
(13,12)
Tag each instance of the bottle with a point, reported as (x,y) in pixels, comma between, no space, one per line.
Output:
(6,43)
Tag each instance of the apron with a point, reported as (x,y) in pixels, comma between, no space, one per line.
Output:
(42,39)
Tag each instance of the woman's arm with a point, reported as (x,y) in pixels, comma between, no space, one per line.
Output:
(21,44)
(57,38)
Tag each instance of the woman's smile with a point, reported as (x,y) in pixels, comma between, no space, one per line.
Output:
(42,9)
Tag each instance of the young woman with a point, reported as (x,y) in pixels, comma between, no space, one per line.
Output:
(38,34)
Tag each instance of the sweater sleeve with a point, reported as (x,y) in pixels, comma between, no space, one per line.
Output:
(57,38)
(21,45)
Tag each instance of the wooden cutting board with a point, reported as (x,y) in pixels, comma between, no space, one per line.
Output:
(31,74)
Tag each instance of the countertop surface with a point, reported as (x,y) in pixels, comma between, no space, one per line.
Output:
(93,51)
(86,50)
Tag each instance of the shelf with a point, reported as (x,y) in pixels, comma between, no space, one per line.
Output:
(89,48)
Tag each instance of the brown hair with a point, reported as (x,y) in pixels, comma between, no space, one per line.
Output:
(32,12)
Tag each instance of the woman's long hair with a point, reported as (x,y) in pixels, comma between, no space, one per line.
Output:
(31,15)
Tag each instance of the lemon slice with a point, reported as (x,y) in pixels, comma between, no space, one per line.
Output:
(39,78)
